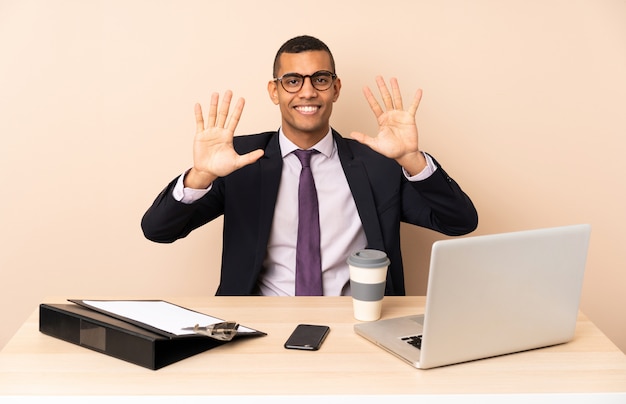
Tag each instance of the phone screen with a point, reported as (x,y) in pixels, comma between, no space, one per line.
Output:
(307,336)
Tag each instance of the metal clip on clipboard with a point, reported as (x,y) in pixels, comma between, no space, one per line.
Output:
(224,331)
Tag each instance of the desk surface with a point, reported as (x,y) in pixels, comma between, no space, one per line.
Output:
(34,363)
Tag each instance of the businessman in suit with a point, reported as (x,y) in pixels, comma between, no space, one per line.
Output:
(365,186)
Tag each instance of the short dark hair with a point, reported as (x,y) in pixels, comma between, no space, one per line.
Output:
(303,43)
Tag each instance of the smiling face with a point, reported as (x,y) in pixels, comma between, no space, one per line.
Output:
(306,113)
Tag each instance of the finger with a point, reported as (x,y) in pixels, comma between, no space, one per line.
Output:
(416,102)
(199,119)
(361,138)
(371,100)
(233,121)
(213,109)
(384,93)
(397,96)
(249,158)
(222,114)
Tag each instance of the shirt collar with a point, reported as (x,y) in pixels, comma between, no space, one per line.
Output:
(324,146)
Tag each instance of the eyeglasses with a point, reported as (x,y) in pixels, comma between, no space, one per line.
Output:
(321,80)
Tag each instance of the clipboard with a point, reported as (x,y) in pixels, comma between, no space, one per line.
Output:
(159,316)
(125,338)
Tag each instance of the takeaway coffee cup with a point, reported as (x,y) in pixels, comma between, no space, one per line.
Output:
(368,274)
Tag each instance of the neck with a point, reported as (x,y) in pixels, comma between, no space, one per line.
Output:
(305,140)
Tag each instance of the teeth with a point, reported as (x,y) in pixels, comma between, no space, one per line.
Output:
(307,109)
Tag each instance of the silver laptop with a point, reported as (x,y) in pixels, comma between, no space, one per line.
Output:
(491,295)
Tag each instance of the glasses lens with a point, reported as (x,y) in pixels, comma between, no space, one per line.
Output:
(292,82)
(322,80)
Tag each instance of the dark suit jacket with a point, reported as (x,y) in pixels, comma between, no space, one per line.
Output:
(247,197)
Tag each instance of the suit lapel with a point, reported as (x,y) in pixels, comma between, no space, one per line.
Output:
(270,166)
(356,175)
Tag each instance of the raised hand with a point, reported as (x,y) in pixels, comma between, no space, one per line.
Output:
(213,152)
(397,136)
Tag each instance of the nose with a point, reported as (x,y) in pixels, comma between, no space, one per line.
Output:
(307,89)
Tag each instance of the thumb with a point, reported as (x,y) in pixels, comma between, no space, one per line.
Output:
(249,158)
(361,138)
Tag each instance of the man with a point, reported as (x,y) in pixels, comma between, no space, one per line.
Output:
(365,187)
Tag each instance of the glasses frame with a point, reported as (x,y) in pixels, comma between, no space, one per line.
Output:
(333,77)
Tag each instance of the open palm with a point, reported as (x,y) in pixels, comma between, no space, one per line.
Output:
(397,136)
(213,152)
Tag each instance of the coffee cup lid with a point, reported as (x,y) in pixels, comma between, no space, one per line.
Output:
(368,258)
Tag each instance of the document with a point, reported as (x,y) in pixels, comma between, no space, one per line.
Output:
(157,314)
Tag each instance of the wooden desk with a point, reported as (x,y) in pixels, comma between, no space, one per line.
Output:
(33,363)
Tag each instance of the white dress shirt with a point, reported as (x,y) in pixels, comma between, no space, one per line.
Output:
(341,231)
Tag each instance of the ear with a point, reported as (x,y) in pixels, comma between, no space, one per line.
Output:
(272,90)
(337,88)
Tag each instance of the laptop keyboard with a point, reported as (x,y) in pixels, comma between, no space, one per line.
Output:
(414,340)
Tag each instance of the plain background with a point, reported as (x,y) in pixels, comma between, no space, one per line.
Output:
(524,105)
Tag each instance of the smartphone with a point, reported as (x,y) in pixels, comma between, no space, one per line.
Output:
(308,337)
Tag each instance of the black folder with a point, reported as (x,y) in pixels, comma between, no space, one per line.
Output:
(121,339)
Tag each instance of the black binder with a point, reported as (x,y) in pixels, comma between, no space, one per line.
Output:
(120,339)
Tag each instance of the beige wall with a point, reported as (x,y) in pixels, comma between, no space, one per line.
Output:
(523,103)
